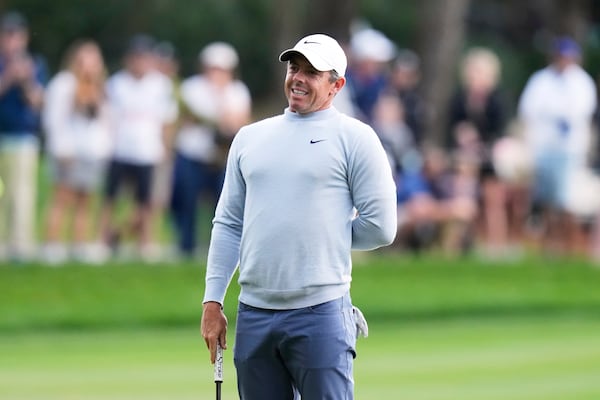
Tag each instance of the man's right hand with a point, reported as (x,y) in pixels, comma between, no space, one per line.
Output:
(213,327)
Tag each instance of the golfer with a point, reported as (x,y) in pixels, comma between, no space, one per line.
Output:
(301,191)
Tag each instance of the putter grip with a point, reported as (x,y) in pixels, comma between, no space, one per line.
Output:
(219,364)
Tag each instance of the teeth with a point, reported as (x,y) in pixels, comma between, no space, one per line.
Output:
(299,92)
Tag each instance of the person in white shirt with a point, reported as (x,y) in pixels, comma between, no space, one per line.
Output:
(556,109)
(215,104)
(142,104)
(302,189)
(77,127)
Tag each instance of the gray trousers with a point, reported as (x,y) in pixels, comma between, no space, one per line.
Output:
(307,352)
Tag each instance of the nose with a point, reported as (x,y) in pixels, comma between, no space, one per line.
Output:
(299,76)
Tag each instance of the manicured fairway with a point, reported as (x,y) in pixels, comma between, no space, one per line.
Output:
(439,330)
(460,359)
(506,359)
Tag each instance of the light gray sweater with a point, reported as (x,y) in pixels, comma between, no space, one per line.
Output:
(300,192)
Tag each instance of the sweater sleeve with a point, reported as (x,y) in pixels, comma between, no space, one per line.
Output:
(224,249)
(374,194)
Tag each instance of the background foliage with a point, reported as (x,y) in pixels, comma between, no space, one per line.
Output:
(517,30)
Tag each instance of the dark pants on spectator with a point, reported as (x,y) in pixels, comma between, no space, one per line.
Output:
(192,181)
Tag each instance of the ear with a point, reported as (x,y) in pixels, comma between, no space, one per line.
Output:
(339,84)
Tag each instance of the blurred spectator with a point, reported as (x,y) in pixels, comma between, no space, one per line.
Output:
(166,59)
(168,64)
(343,101)
(477,120)
(478,101)
(395,135)
(214,106)
(367,75)
(141,101)
(556,107)
(76,122)
(437,203)
(405,79)
(22,76)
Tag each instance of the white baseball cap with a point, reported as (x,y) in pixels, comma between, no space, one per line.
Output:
(370,44)
(219,55)
(322,51)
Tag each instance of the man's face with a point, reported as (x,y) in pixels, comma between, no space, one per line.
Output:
(220,77)
(13,41)
(139,64)
(307,89)
(561,62)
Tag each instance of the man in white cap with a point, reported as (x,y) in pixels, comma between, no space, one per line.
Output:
(215,104)
(301,191)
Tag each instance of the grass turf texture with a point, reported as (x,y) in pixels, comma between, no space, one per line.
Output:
(439,329)
(386,287)
(468,359)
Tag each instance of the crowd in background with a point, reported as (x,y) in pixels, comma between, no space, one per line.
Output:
(151,145)
(142,140)
(502,181)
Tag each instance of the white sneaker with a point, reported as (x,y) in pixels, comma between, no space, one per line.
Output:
(92,253)
(152,253)
(54,254)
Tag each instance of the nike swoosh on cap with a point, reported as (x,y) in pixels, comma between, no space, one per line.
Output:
(312,141)
(309,42)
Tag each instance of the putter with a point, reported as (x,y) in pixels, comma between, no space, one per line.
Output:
(219,370)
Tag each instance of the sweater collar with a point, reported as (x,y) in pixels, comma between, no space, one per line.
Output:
(314,116)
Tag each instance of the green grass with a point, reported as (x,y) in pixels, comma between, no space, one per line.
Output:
(534,358)
(88,297)
(466,359)
(384,286)
(440,329)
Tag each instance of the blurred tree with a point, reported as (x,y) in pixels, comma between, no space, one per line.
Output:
(437,29)
(333,17)
(565,17)
(441,34)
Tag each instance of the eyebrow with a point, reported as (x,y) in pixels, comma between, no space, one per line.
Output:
(304,65)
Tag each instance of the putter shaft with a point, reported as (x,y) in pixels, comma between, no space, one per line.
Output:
(218,384)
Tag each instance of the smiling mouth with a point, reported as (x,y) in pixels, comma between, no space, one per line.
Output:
(299,92)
